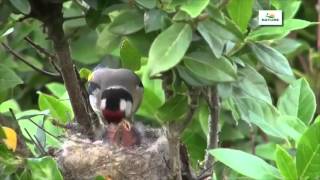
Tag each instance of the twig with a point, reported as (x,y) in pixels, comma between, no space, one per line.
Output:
(212,139)
(39,48)
(193,104)
(44,129)
(19,57)
(34,142)
(40,145)
(73,17)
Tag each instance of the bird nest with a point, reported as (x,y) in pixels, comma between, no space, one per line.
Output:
(83,159)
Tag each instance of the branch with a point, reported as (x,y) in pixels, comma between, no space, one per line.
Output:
(50,13)
(212,139)
(19,57)
(74,17)
(39,48)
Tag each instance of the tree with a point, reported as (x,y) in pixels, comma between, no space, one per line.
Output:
(207,67)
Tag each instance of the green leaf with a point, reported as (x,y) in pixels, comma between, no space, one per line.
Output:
(253,84)
(81,49)
(289,7)
(130,56)
(169,47)
(21,5)
(291,126)
(174,109)
(85,74)
(191,78)
(285,164)
(260,113)
(208,31)
(9,104)
(107,41)
(147,3)
(308,154)
(154,20)
(266,151)
(240,12)
(269,33)
(57,89)
(209,68)
(127,22)
(246,164)
(44,168)
(272,60)
(8,78)
(153,96)
(57,109)
(194,7)
(298,100)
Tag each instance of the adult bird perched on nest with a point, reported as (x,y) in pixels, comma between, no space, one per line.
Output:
(115,95)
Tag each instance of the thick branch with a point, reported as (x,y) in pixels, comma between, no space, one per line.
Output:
(50,13)
(212,139)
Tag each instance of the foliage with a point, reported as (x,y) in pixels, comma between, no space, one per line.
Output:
(268,128)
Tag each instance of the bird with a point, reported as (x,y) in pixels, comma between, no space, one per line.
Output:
(115,95)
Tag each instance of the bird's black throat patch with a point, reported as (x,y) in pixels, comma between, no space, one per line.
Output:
(113,97)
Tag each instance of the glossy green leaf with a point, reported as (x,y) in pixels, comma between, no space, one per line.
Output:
(298,100)
(208,67)
(289,7)
(44,168)
(266,151)
(308,154)
(272,60)
(245,163)
(81,49)
(9,104)
(169,47)
(291,126)
(147,3)
(8,78)
(269,33)
(57,89)
(260,113)
(130,56)
(127,22)
(154,20)
(191,78)
(174,109)
(194,7)
(57,109)
(253,84)
(153,96)
(208,31)
(240,12)
(22,6)
(286,164)
(107,41)
(85,74)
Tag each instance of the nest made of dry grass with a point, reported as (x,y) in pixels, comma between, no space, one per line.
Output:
(82,159)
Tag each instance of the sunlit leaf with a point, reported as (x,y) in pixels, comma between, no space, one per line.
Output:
(308,154)
(240,11)
(298,100)
(286,164)
(246,164)
(8,78)
(194,7)
(169,47)
(44,168)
